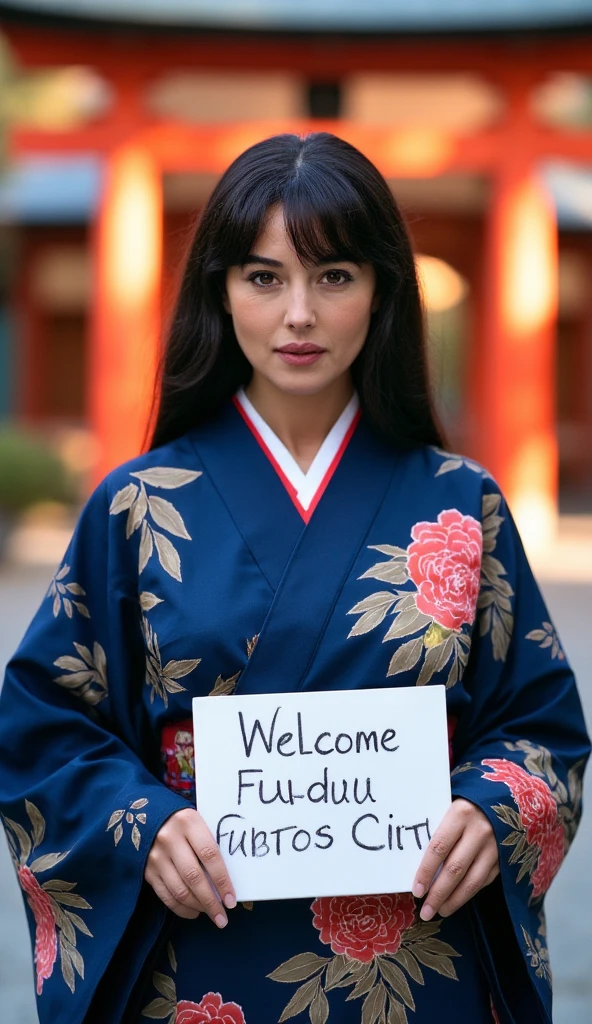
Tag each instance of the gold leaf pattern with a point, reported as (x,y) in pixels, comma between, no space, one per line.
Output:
(136,513)
(165,515)
(166,477)
(162,680)
(123,499)
(168,556)
(452,462)
(146,547)
(121,814)
(149,601)
(141,505)
(538,955)
(59,591)
(495,591)
(37,821)
(87,675)
(224,687)
(547,637)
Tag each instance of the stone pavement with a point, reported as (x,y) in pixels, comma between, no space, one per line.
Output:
(570,900)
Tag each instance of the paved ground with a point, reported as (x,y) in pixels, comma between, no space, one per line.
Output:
(570,900)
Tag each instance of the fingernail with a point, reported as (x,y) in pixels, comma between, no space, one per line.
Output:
(418,890)
(229,901)
(221,920)
(426,913)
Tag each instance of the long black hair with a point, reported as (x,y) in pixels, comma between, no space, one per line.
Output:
(336,205)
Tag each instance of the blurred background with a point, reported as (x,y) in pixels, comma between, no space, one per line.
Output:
(117,117)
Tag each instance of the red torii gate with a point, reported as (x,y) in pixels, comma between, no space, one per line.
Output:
(512,359)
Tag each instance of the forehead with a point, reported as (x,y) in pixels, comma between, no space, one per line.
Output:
(273,234)
(274,241)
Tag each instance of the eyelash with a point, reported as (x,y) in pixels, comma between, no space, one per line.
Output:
(267,273)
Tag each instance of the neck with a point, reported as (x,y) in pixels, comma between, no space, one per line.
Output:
(301,422)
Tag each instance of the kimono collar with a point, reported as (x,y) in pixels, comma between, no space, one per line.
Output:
(305,489)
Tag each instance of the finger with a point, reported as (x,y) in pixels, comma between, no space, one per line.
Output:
(178,887)
(454,869)
(444,839)
(208,852)
(197,885)
(169,901)
(476,878)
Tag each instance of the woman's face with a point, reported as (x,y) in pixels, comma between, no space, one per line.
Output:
(300,327)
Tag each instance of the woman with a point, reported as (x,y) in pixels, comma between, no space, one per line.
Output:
(295,524)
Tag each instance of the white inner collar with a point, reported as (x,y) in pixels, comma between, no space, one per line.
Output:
(306,484)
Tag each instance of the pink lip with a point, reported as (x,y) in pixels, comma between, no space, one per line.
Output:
(305,348)
(300,358)
(300,355)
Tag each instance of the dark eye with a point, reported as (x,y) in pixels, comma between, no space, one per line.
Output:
(337,276)
(262,278)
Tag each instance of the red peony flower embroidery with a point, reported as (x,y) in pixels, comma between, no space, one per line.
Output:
(551,856)
(363,927)
(444,562)
(211,1010)
(46,941)
(535,801)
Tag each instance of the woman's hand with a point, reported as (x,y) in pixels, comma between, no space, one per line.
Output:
(465,846)
(184,864)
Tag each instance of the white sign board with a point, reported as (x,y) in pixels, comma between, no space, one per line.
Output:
(330,793)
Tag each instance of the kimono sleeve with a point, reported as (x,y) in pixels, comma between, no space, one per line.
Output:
(78,801)
(522,748)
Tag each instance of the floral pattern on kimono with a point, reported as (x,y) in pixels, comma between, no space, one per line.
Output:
(211,1008)
(179,557)
(380,945)
(50,901)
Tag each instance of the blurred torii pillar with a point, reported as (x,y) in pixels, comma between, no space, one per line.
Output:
(514,360)
(126,320)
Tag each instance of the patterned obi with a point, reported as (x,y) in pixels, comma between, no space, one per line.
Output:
(176,753)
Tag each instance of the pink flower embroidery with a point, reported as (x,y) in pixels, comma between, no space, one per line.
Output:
(211,1010)
(444,562)
(538,814)
(536,804)
(46,942)
(363,927)
(552,854)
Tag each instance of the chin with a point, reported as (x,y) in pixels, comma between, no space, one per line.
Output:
(302,387)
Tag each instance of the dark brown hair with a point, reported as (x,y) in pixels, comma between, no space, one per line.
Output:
(336,205)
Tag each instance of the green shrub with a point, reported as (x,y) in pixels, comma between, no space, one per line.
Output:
(30,472)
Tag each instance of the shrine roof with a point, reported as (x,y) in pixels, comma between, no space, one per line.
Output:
(397,16)
(65,190)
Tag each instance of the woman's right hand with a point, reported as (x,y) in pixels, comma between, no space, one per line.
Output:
(185,864)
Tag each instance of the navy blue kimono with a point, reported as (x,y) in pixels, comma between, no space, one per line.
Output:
(193,571)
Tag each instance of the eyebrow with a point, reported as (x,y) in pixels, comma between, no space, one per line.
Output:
(267,262)
(254,258)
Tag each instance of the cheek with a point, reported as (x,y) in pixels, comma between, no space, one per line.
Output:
(253,318)
(348,322)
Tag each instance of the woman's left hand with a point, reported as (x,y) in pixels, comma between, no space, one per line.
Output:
(464,845)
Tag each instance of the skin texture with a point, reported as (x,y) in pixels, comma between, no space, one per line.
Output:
(330,306)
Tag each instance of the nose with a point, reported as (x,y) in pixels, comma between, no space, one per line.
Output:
(300,312)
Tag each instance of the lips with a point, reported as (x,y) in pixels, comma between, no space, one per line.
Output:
(304,349)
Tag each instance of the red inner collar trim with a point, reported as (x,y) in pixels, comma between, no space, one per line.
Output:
(305,513)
